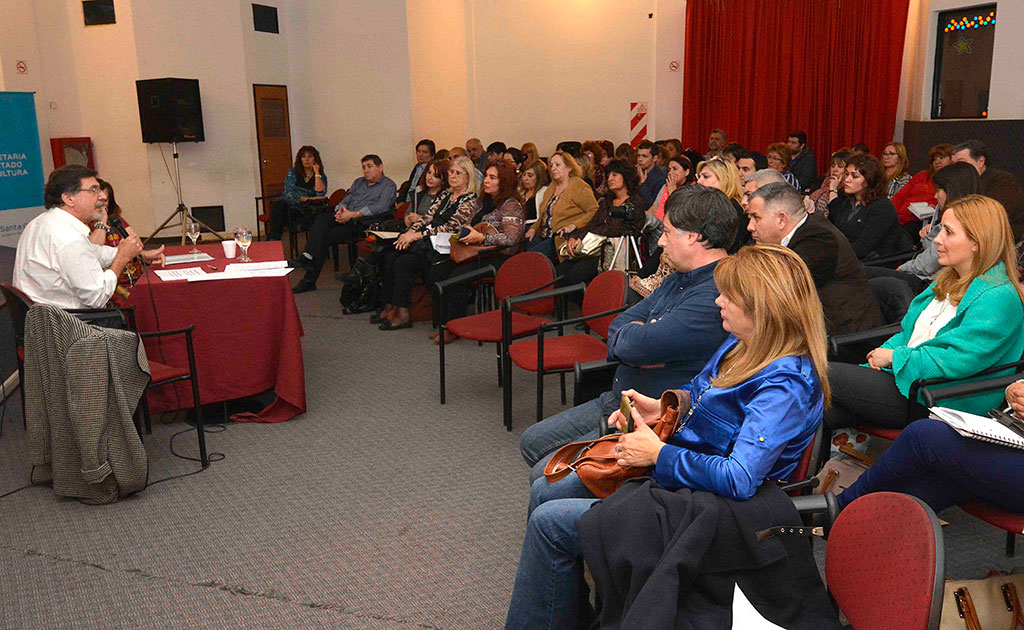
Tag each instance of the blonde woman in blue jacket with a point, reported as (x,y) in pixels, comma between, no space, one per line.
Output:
(969,319)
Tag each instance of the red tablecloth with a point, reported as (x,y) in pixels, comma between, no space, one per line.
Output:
(247,336)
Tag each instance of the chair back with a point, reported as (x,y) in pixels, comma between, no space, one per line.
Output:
(336,197)
(526,272)
(606,292)
(17,305)
(884,563)
(400,210)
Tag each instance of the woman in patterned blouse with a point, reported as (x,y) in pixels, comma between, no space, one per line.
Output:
(101,236)
(896,164)
(451,210)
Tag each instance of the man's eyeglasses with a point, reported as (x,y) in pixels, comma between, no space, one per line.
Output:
(93,189)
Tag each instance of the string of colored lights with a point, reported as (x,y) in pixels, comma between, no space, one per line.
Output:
(967,22)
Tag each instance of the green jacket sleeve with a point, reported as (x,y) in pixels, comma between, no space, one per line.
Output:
(978,340)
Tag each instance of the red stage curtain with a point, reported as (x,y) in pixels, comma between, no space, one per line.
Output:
(760,69)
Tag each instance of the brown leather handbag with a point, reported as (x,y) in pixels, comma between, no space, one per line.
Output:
(461,252)
(595,461)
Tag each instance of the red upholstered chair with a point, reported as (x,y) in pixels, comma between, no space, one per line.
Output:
(17,304)
(160,373)
(1009,521)
(525,273)
(884,563)
(603,299)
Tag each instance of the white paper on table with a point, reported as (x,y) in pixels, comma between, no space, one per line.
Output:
(387,236)
(921,210)
(235,275)
(442,243)
(244,267)
(187,258)
(745,616)
(180,274)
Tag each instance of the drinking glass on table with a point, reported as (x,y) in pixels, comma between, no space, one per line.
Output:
(243,236)
(192,230)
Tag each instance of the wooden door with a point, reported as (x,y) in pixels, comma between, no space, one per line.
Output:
(273,135)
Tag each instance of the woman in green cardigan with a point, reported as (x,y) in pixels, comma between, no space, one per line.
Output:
(969,319)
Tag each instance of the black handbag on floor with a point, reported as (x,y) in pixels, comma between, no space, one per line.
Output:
(361,293)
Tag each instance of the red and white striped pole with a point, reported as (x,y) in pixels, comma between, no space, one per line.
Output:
(637,123)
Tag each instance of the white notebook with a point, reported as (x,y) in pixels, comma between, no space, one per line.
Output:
(978,427)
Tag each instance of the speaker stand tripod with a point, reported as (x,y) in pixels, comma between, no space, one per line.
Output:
(181,213)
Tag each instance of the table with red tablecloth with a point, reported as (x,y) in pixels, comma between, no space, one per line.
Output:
(247,335)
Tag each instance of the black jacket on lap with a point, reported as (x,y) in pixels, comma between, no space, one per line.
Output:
(873,231)
(666,559)
(846,298)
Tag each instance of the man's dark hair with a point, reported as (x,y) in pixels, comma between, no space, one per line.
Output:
(800,136)
(734,149)
(571,147)
(651,147)
(957,180)
(372,157)
(66,179)
(630,176)
(517,156)
(705,211)
(760,161)
(430,146)
(860,147)
(781,196)
(496,147)
(977,150)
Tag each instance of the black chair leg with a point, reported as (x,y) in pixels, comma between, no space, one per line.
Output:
(562,377)
(497,353)
(1011,542)
(204,459)
(440,354)
(540,395)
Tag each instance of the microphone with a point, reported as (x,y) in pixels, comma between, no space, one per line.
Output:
(116,225)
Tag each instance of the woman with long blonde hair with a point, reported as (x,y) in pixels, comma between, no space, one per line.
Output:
(722,174)
(969,319)
(747,416)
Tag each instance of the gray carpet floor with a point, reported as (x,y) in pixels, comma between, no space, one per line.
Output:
(378,508)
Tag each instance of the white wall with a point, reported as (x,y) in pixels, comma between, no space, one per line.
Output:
(1007,83)
(78,75)
(202,39)
(544,71)
(349,65)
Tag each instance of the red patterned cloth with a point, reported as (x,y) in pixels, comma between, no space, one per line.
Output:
(247,338)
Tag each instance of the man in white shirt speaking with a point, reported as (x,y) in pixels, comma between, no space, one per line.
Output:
(56,263)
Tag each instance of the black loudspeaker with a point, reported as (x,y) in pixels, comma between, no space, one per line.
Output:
(170,111)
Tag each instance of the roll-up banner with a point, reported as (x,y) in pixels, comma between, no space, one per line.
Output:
(21,165)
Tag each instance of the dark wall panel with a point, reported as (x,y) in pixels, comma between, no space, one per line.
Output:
(1004,138)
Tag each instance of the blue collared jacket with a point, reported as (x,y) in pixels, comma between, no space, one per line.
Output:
(682,328)
(738,436)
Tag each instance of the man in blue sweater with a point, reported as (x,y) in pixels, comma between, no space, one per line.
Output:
(370,198)
(663,341)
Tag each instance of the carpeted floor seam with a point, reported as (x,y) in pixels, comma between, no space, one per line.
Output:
(218,585)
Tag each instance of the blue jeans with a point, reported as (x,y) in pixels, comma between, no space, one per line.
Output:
(541,440)
(549,591)
(934,463)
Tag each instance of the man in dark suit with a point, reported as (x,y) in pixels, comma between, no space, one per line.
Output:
(777,215)
(425,151)
(998,185)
